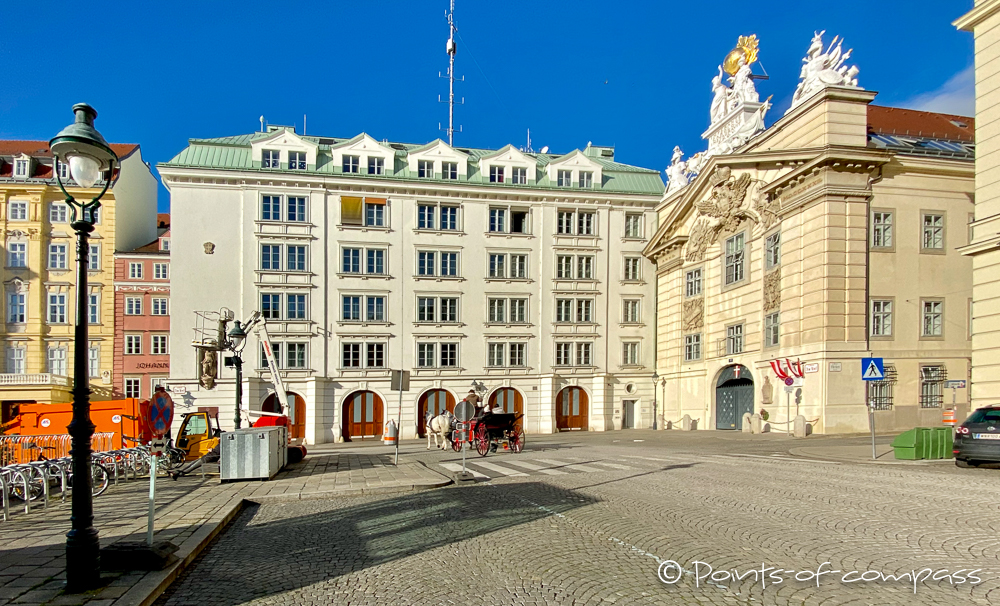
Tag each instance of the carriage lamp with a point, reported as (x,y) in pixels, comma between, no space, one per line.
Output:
(88,155)
(235,342)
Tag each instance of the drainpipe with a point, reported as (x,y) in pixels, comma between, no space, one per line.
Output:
(872,181)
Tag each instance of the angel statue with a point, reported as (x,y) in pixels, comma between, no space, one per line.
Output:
(743,87)
(720,100)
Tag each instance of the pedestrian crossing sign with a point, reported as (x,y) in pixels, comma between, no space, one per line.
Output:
(872,369)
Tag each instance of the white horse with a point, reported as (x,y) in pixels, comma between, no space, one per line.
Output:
(440,427)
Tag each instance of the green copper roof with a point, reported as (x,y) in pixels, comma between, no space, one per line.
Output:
(235,153)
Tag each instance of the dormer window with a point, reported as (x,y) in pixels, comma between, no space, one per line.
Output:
(296,160)
(519,176)
(271,159)
(351,164)
(63,170)
(21,167)
(449,170)
(165,244)
(496,174)
(425,169)
(376,166)
(565,178)
(586,179)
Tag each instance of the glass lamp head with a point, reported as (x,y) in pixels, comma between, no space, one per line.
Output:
(83,147)
(237,335)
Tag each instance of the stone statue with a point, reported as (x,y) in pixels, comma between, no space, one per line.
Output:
(743,90)
(767,392)
(822,69)
(720,99)
(677,172)
(209,368)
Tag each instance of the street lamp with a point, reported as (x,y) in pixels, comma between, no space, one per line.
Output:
(88,154)
(237,339)
(655,378)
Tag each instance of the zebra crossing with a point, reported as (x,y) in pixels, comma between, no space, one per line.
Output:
(520,466)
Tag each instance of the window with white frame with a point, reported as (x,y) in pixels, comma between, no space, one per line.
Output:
(449,264)
(57,308)
(133,344)
(133,306)
(734,339)
(881,321)
(586,223)
(692,347)
(503,265)
(630,311)
(517,311)
(159,345)
(376,165)
(58,212)
(496,354)
(497,266)
(584,311)
(16,360)
(449,355)
(510,220)
(270,208)
(630,353)
(580,311)
(64,172)
(496,174)
(497,310)
(94,308)
(425,216)
(564,310)
(350,355)
(57,256)
(295,355)
(94,360)
(296,209)
(632,269)
(772,250)
(564,178)
(133,387)
(18,210)
(160,271)
(933,319)
(584,354)
(295,257)
(94,257)
(375,308)
(160,306)
(351,308)
(425,169)
(350,261)
(882,229)
(734,259)
(21,167)
(135,271)
(375,355)
(564,266)
(270,257)
(586,178)
(519,175)
(270,306)
(581,223)
(517,354)
(772,323)
(271,158)
(933,231)
(564,354)
(565,221)
(437,309)
(93,215)
(358,308)
(374,213)
(431,216)
(296,308)
(449,170)
(584,267)
(633,225)
(351,164)
(427,263)
(449,218)
(17,254)
(692,283)
(16,308)
(296,160)
(427,355)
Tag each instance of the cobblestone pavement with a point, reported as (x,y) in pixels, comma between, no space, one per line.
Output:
(599,535)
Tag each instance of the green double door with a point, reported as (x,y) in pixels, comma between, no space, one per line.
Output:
(732,399)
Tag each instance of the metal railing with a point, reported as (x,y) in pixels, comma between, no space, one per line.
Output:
(54,446)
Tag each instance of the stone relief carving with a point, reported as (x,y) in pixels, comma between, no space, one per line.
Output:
(767,210)
(209,248)
(823,69)
(772,290)
(767,392)
(694,314)
(723,210)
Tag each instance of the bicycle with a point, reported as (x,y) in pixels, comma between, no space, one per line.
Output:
(38,474)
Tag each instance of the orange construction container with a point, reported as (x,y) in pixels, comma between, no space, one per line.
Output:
(111,416)
(948,417)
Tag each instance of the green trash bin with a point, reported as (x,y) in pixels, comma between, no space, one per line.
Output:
(943,442)
(925,442)
(904,446)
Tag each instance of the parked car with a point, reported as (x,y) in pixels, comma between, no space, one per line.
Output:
(977,440)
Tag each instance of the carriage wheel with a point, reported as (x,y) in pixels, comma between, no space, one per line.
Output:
(482,440)
(456,444)
(516,439)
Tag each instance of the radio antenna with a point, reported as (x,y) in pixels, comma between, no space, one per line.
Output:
(451,48)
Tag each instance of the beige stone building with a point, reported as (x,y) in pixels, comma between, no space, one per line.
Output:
(829,237)
(984,250)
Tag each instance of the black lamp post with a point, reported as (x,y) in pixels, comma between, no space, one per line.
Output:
(88,154)
(237,339)
(656,377)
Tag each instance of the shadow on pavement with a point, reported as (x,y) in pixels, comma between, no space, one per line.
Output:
(639,475)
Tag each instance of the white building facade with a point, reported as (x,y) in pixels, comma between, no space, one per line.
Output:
(519,275)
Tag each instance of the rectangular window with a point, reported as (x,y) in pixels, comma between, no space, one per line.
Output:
(270,208)
(350,355)
(584,311)
(630,354)
(632,269)
(133,387)
(734,339)
(517,357)
(498,220)
(425,217)
(16,360)
(57,212)
(564,267)
(585,268)
(18,210)
(519,176)
(882,229)
(518,311)
(565,178)
(295,355)
(449,264)
(564,222)
(296,256)
(135,271)
(375,355)
(692,347)
(425,169)
(584,354)
(15,308)
(586,178)
(57,257)
(881,322)
(630,308)
(270,257)
(133,306)
(425,309)
(449,309)
(93,309)
(497,268)
(495,354)
(133,344)
(931,386)
(376,262)
(425,263)
(94,361)
(449,355)
(633,225)
(564,310)
(296,208)
(352,308)
(374,214)
(518,221)
(734,259)
(519,266)
(497,310)
(159,306)
(772,250)
(275,351)
(165,244)
(449,218)
(585,223)
(564,354)
(376,166)
(64,172)
(351,261)
(296,307)
(771,329)
(933,319)
(270,306)
(350,164)
(375,309)
(425,355)
(160,271)
(296,160)
(496,174)
(159,345)
(933,232)
(271,158)
(17,254)
(692,281)
(449,170)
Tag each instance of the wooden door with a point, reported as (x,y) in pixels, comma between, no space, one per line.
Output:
(510,400)
(298,429)
(436,401)
(362,416)
(628,414)
(572,406)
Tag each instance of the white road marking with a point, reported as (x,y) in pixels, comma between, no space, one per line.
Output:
(507,471)
(614,465)
(570,466)
(458,467)
(538,468)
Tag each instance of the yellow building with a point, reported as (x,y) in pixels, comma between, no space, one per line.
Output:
(39,269)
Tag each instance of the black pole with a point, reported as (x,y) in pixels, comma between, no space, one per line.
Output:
(83,548)
(238,363)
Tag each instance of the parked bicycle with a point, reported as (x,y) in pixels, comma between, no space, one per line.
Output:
(43,474)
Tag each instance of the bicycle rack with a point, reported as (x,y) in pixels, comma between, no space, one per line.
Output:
(3,494)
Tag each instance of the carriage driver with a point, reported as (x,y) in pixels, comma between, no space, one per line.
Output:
(473,398)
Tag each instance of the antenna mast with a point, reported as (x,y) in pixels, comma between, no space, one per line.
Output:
(451,76)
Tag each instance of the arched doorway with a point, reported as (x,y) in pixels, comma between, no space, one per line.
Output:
(572,406)
(362,416)
(733,397)
(297,430)
(436,401)
(510,400)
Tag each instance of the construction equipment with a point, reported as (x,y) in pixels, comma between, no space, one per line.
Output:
(197,435)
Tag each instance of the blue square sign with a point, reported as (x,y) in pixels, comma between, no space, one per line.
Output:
(872,369)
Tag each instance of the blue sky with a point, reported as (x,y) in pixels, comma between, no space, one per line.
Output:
(636,75)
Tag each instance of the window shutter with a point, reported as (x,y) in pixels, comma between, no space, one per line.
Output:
(350,210)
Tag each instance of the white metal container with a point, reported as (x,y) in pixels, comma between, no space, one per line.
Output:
(256,453)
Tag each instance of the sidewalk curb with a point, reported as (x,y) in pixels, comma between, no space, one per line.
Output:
(345,492)
(798,452)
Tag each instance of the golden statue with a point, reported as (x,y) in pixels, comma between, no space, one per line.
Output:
(746,49)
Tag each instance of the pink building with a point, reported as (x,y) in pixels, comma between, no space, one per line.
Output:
(142,316)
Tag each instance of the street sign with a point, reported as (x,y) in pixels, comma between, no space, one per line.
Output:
(464,411)
(958,384)
(789,381)
(400,380)
(872,369)
(789,388)
(161,413)
(810,368)
(157,446)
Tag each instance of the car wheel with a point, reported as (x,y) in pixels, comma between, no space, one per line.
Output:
(964,463)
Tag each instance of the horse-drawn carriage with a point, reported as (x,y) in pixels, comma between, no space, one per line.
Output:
(489,431)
